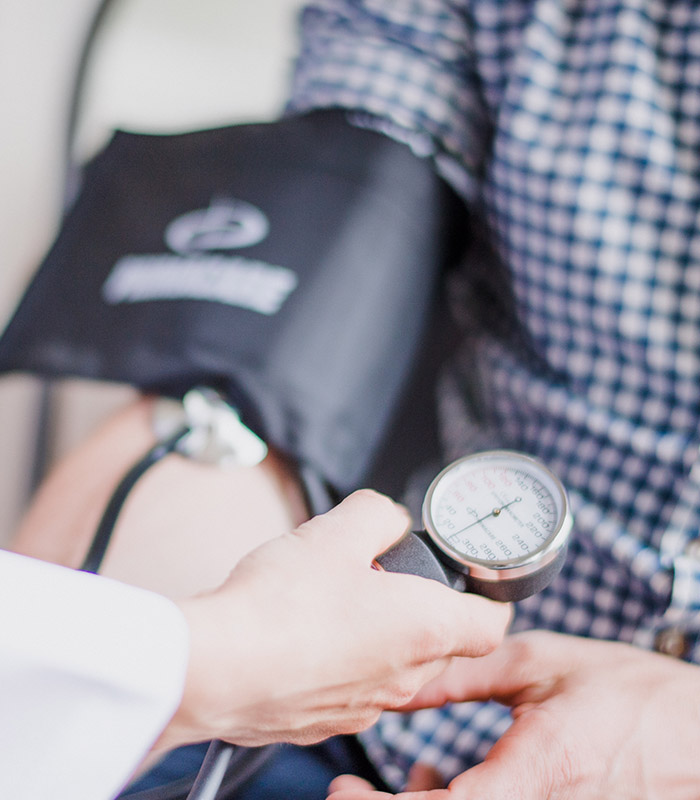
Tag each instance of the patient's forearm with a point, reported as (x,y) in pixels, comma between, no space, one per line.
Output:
(184,525)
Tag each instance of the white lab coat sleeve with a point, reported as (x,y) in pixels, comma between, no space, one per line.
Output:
(91,670)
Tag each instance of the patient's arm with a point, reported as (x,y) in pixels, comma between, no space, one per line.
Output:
(184,525)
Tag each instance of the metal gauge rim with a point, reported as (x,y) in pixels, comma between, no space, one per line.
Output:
(509,568)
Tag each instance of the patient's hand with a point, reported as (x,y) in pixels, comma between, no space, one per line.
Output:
(182,528)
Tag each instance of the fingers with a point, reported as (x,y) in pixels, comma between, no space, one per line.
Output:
(447,622)
(350,783)
(459,682)
(369,794)
(512,770)
(519,767)
(433,619)
(526,667)
(488,781)
(422,777)
(459,624)
(364,524)
(492,782)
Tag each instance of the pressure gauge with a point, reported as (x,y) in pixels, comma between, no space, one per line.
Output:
(498,523)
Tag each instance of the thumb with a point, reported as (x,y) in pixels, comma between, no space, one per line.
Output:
(515,768)
(362,526)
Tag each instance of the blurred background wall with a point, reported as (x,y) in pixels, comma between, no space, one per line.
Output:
(159,65)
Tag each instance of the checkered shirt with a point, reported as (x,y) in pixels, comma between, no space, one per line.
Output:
(573,128)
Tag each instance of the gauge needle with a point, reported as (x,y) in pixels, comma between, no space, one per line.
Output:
(493,513)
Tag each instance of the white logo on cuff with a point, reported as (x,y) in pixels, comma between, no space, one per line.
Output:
(199,267)
(226,225)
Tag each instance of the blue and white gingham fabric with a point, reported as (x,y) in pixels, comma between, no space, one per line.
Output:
(573,127)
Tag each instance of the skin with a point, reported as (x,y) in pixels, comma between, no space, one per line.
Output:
(173,535)
(294,635)
(329,642)
(592,720)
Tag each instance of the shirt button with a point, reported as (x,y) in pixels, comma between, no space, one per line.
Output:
(671,642)
(692,549)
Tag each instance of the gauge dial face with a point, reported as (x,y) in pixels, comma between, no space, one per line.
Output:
(499,509)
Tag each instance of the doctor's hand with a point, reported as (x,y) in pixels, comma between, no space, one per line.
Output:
(306,640)
(592,720)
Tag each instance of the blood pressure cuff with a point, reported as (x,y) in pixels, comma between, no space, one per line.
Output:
(291,265)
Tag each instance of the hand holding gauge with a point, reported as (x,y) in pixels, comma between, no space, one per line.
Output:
(496,524)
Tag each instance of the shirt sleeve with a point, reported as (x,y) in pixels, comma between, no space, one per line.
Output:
(410,63)
(91,670)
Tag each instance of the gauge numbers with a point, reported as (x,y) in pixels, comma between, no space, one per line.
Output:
(497,508)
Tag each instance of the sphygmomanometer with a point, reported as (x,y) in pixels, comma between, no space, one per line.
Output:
(275,283)
(276,279)
(279,284)
(291,266)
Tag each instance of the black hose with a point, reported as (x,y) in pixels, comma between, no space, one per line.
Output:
(103,534)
